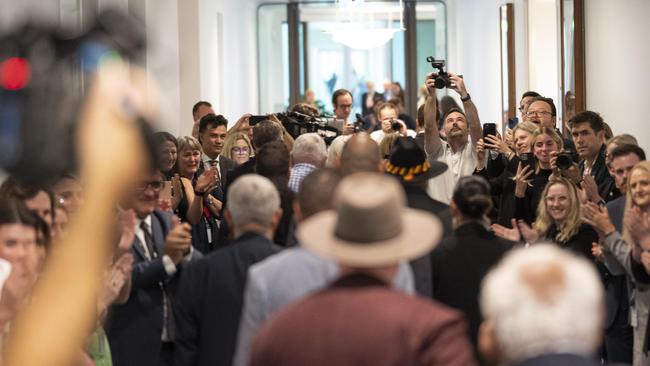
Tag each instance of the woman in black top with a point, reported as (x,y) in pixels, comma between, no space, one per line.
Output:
(558,220)
(530,180)
(501,179)
(461,260)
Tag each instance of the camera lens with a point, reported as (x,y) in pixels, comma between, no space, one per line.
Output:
(563,161)
(440,83)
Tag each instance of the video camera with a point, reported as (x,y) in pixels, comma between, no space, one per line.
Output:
(44,72)
(298,123)
(442,79)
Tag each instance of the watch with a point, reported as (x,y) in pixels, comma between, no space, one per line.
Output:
(465,99)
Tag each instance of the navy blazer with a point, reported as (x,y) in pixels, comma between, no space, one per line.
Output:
(209,301)
(134,329)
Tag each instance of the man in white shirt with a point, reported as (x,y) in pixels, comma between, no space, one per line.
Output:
(463,130)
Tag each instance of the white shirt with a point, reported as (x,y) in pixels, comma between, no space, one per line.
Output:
(379,135)
(207,163)
(461,163)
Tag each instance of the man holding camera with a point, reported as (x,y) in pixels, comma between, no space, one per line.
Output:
(387,116)
(463,130)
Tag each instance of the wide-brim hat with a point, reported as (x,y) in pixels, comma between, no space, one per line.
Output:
(370,225)
(408,162)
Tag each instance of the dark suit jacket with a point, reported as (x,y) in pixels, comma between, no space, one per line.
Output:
(378,97)
(134,329)
(209,301)
(616,290)
(606,184)
(359,320)
(559,359)
(419,199)
(459,264)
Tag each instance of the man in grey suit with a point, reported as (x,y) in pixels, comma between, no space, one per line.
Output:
(139,331)
(296,272)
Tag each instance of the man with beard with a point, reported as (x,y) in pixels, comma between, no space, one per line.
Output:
(463,130)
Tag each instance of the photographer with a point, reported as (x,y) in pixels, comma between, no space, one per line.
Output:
(387,115)
(457,152)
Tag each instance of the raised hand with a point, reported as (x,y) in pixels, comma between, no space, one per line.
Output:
(638,223)
(522,180)
(458,85)
(591,188)
(530,235)
(598,217)
(127,224)
(507,233)
(178,241)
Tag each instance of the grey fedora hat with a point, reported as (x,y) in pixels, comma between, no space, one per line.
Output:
(370,225)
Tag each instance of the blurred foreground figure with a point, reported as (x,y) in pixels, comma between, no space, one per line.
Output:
(542,306)
(359,319)
(46,136)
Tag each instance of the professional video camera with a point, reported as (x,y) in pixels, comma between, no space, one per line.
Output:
(442,79)
(298,123)
(44,72)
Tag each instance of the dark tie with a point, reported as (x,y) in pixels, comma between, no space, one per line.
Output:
(217,192)
(148,240)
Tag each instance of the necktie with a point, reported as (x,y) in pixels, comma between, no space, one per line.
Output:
(148,240)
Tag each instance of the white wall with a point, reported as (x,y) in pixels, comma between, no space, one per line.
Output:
(474,51)
(618,72)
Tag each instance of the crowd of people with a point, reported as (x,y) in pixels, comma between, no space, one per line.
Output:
(406,241)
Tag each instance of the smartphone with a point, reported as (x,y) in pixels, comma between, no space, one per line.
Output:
(489,129)
(527,159)
(512,122)
(253,120)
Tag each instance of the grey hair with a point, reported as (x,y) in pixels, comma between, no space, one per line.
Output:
(253,199)
(543,299)
(309,148)
(188,142)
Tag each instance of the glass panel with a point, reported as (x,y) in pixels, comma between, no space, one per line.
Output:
(332,65)
(431,35)
(504,63)
(568,105)
(273,57)
(327,65)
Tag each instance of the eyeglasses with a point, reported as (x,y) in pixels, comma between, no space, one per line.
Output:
(241,150)
(155,185)
(537,113)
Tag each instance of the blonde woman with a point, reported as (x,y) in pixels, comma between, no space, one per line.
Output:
(559,220)
(237,147)
(502,182)
(532,176)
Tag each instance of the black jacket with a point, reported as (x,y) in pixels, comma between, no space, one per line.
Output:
(419,199)
(606,184)
(459,264)
(209,301)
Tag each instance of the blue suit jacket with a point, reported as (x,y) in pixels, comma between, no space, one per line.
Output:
(134,329)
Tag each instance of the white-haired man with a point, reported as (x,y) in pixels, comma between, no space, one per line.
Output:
(542,306)
(209,298)
(309,153)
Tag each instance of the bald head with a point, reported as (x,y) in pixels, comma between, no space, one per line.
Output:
(360,154)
